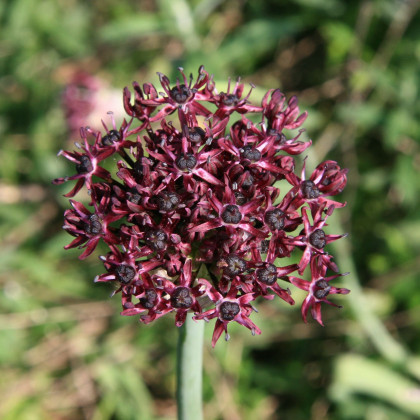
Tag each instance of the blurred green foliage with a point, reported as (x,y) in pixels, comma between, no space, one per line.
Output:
(65,352)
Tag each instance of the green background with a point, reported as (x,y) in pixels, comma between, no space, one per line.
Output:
(65,353)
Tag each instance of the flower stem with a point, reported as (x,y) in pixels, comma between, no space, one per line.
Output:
(190,370)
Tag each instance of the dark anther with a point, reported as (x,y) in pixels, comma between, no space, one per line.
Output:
(186,162)
(158,137)
(309,190)
(231,214)
(280,137)
(264,246)
(85,165)
(167,201)
(149,299)
(317,239)
(124,273)
(326,181)
(180,94)
(94,226)
(267,275)
(240,198)
(252,154)
(110,138)
(181,298)
(234,265)
(323,289)
(228,310)
(138,168)
(229,99)
(248,182)
(256,223)
(156,239)
(274,219)
(134,197)
(196,134)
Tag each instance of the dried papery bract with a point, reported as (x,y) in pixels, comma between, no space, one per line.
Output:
(197,184)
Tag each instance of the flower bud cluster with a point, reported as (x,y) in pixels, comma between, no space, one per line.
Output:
(198,187)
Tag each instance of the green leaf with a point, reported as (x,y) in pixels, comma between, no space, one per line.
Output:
(130,27)
(364,115)
(340,38)
(255,39)
(356,375)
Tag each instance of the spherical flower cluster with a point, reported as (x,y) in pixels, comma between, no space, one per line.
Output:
(194,192)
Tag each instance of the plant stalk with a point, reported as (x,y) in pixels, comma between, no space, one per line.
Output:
(190,370)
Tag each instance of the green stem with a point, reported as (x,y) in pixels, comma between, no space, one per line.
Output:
(190,370)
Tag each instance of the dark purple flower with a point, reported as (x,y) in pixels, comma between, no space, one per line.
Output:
(183,295)
(86,162)
(318,289)
(314,239)
(182,96)
(192,185)
(280,116)
(89,228)
(149,297)
(229,102)
(328,179)
(228,308)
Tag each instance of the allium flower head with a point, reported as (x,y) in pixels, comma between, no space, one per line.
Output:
(197,187)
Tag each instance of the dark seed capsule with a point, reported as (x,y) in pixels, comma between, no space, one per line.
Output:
(228,310)
(180,94)
(274,219)
(231,214)
(326,181)
(267,275)
(149,299)
(196,134)
(84,166)
(309,190)
(317,239)
(156,240)
(186,162)
(248,182)
(167,201)
(112,137)
(239,198)
(94,226)
(323,289)
(124,273)
(264,246)
(256,223)
(229,99)
(134,197)
(138,168)
(181,298)
(234,265)
(249,153)
(279,137)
